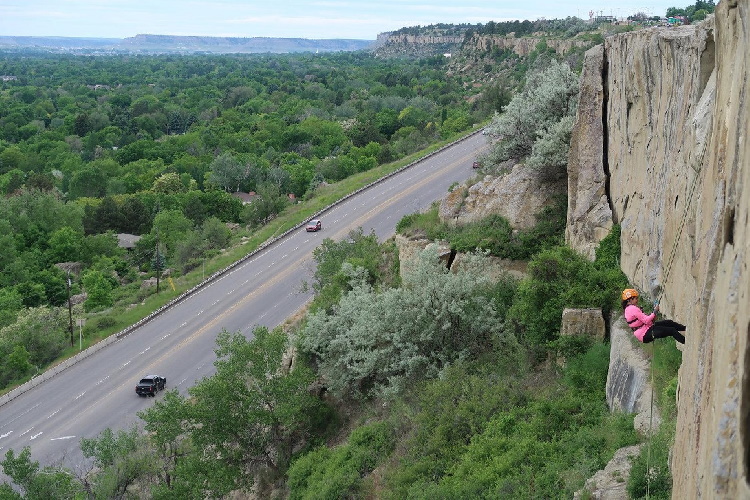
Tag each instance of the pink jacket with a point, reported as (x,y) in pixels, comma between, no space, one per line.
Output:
(639,322)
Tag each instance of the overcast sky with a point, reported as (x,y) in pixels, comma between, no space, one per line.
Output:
(315,19)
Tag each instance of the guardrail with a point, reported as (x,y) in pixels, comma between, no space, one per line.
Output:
(51,372)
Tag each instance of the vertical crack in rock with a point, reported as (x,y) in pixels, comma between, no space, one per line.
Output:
(605,134)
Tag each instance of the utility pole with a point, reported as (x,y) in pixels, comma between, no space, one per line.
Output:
(158,263)
(70,314)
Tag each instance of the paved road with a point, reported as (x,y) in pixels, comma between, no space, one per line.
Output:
(99,391)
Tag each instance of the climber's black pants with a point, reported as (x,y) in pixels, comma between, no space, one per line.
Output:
(665,328)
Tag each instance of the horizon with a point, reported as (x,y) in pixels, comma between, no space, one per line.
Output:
(315,20)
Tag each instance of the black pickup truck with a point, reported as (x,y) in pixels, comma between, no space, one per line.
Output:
(150,385)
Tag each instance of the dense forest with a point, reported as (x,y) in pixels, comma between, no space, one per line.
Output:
(156,146)
(430,384)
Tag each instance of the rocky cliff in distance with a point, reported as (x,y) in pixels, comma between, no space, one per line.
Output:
(662,144)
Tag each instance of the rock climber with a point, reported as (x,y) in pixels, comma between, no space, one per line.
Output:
(643,325)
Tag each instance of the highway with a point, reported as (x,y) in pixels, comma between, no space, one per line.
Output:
(266,289)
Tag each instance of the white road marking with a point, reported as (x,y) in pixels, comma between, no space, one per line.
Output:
(63,437)
(36,436)
(6,434)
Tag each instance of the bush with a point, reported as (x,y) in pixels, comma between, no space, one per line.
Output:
(650,476)
(337,473)
(547,97)
(487,434)
(559,278)
(377,342)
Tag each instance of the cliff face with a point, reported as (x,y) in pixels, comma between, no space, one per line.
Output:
(523,46)
(671,164)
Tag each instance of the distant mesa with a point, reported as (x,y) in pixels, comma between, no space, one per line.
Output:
(182,44)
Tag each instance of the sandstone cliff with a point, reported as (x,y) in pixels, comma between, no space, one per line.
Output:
(523,46)
(662,144)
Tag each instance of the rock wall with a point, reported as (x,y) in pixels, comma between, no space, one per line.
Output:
(675,174)
(517,195)
(523,46)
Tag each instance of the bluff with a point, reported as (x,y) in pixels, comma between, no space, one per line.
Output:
(661,147)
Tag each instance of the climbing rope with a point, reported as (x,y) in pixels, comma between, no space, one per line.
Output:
(650,426)
(697,167)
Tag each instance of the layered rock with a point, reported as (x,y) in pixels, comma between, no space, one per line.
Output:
(589,217)
(495,267)
(676,170)
(523,46)
(587,322)
(518,196)
(629,387)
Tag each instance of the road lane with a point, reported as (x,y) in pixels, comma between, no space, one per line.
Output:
(98,392)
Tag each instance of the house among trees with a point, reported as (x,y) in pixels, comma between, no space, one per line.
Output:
(246,198)
(127,241)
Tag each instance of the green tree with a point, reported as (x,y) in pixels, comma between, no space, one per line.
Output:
(215,233)
(120,459)
(36,481)
(264,408)
(10,303)
(168,183)
(88,182)
(169,227)
(269,203)
(98,290)
(228,173)
(42,331)
(65,245)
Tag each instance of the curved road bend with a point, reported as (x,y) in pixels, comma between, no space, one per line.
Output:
(98,392)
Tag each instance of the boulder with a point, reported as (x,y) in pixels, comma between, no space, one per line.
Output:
(583,322)
(628,379)
(517,195)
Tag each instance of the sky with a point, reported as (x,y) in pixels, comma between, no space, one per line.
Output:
(314,19)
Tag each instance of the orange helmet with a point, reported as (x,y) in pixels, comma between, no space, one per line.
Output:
(629,293)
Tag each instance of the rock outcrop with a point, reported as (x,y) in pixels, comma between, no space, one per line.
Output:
(518,196)
(587,322)
(409,249)
(676,172)
(628,384)
(523,46)
(589,214)
(610,482)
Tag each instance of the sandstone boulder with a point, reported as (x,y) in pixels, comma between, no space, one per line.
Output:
(583,322)
(628,379)
(518,196)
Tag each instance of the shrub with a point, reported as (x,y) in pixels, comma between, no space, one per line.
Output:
(559,278)
(374,342)
(547,97)
(337,473)
(650,476)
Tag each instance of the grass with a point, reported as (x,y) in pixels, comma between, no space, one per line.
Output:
(133,306)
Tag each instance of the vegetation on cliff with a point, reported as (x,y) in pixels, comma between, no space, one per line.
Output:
(441,376)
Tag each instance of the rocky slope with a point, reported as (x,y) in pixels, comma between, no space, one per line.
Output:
(661,147)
